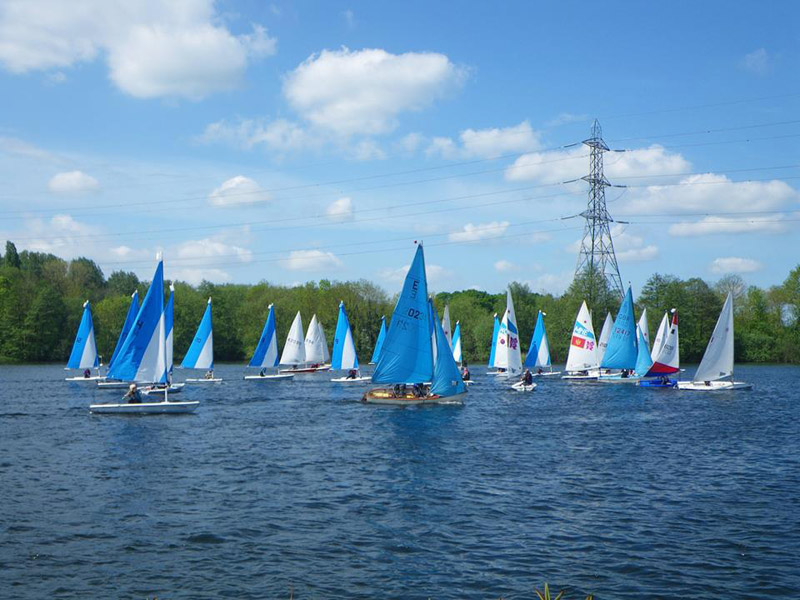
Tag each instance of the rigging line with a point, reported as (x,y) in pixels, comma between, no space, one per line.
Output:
(743,140)
(723,172)
(706,131)
(700,106)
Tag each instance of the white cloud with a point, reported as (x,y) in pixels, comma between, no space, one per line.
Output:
(153,48)
(237,191)
(631,248)
(17,147)
(551,283)
(60,234)
(197,276)
(311,260)
(279,135)
(757,62)
(733,264)
(363,91)
(728,224)
(410,142)
(349,18)
(73,182)
(211,248)
(340,210)
(488,143)
(474,233)
(565,118)
(503,266)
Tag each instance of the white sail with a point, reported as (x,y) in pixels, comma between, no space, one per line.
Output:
(326,355)
(605,333)
(313,343)
(668,360)
(446,325)
(508,355)
(717,360)
(294,351)
(583,347)
(644,326)
(661,337)
(457,344)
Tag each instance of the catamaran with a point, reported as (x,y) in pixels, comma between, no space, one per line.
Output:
(622,350)
(143,356)
(407,354)
(265,355)
(376,354)
(200,354)
(582,361)
(493,347)
(538,356)
(717,364)
(344,350)
(84,349)
(667,361)
(130,319)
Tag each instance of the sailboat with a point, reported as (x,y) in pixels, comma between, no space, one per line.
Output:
(84,349)
(582,361)
(493,347)
(666,361)
(508,355)
(446,325)
(717,364)
(661,337)
(344,350)
(265,355)
(643,358)
(622,348)
(376,354)
(457,354)
(605,333)
(130,319)
(200,354)
(315,348)
(407,355)
(294,350)
(644,327)
(143,356)
(169,314)
(539,351)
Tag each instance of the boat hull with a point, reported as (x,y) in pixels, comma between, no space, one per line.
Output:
(145,408)
(87,379)
(203,380)
(618,379)
(714,386)
(351,379)
(671,384)
(306,369)
(576,377)
(175,388)
(276,377)
(387,396)
(522,387)
(113,385)
(547,373)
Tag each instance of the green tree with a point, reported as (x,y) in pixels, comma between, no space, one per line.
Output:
(11,257)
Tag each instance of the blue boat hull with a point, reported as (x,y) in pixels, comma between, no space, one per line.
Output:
(657,383)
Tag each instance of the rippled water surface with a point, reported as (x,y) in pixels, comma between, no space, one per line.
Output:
(620,491)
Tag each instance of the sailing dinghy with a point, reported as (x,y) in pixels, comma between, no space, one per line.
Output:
(169,318)
(344,356)
(538,357)
(143,356)
(265,355)
(376,354)
(666,361)
(84,349)
(305,354)
(582,364)
(717,364)
(509,354)
(605,333)
(493,347)
(407,354)
(661,337)
(200,354)
(623,350)
(130,318)
(457,352)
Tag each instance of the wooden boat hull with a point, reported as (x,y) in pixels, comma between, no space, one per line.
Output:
(203,380)
(522,387)
(274,377)
(387,396)
(714,386)
(145,408)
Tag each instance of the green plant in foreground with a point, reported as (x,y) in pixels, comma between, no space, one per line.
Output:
(546,594)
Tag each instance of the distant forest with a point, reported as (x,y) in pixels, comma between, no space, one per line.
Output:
(41,299)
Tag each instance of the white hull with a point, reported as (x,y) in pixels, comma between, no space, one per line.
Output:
(276,377)
(113,385)
(521,387)
(306,369)
(351,379)
(546,373)
(82,378)
(498,373)
(204,380)
(145,408)
(714,386)
(175,388)
(576,377)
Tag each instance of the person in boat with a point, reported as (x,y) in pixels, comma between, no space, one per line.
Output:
(624,374)
(87,373)
(262,372)
(527,377)
(419,390)
(465,374)
(352,374)
(539,371)
(209,374)
(133,396)
(664,380)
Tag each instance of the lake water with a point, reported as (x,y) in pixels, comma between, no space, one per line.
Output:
(620,491)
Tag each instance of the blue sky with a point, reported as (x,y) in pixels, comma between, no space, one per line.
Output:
(293,141)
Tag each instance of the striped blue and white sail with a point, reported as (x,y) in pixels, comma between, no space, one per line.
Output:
(622,347)
(169,318)
(446,380)
(84,348)
(130,318)
(344,348)
(493,349)
(457,356)
(406,356)
(376,354)
(143,354)
(266,354)
(539,351)
(643,359)
(200,354)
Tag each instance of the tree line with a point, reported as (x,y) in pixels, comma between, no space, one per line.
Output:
(41,298)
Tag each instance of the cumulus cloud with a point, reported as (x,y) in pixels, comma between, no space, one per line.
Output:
(733,264)
(474,233)
(757,62)
(340,210)
(60,234)
(153,49)
(311,260)
(364,91)
(210,248)
(73,182)
(238,191)
(503,266)
(487,143)
(194,276)
(631,248)
(279,135)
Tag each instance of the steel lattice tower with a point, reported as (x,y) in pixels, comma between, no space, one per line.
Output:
(597,259)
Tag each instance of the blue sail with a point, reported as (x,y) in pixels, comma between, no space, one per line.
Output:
(84,348)
(538,346)
(266,354)
(495,332)
(643,359)
(406,355)
(200,354)
(621,351)
(143,355)
(447,379)
(379,344)
(126,327)
(344,349)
